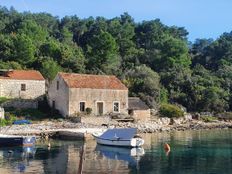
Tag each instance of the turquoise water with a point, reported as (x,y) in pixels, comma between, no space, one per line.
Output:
(196,152)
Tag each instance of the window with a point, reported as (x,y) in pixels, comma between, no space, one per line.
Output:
(82,106)
(130,112)
(23,87)
(57,85)
(116,107)
(53,104)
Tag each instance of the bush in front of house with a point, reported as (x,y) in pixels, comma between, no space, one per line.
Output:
(9,119)
(88,111)
(29,113)
(3,99)
(3,122)
(169,110)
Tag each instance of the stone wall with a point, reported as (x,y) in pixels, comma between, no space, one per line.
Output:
(141,115)
(92,96)
(60,96)
(97,120)
(12,88)
(21,104)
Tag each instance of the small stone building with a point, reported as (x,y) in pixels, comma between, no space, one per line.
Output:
(138,109)
(25,84)
(72,93)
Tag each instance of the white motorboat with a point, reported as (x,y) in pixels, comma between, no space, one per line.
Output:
(119,137)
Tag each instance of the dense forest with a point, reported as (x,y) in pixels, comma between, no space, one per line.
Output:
(155,61)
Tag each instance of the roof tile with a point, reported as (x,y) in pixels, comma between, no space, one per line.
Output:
(136,103)
(22,75)
(74,80)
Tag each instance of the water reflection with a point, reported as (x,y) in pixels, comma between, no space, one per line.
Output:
(107,159)
(191,152)
(130,155)
(17,158)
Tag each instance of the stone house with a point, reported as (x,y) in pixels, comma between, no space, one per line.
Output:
(24,84)
(138,109)
(72,93)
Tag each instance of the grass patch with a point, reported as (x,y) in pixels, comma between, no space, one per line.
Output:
(3,99)
(207,119)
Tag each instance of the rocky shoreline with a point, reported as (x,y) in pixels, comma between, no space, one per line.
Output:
(46,129)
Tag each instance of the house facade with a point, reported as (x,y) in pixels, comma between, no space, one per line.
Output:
(25,84)
(72,93)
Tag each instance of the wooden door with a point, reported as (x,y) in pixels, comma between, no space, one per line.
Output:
(99,108)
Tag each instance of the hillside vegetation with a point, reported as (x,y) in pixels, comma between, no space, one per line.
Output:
(155,61)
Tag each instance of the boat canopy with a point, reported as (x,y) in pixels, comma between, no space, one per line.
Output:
(122,134)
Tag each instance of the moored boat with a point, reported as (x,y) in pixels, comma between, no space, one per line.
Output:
(119,137)
(15,140)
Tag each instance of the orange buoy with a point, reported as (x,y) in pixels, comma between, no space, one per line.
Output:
(167,148)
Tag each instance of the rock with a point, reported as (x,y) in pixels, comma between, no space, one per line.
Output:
(154,112)
(188,117)
(165,120)
(196,116)
(178,120)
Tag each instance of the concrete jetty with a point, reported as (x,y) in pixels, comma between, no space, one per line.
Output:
(64,134)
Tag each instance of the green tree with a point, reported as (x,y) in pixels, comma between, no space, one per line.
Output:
(33,31)
(123,30)
(51,49)
(24,50)
(102,53)
(10,65)
(72,58)
(144,83)
(6,47)
(49,68)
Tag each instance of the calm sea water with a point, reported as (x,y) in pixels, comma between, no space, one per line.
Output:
(197,152)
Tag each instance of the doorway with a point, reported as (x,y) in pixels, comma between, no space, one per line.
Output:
(100,108)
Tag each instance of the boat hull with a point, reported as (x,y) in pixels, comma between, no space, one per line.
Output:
(134,142)
(17,141)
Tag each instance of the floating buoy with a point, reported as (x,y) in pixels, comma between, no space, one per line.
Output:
(167,148)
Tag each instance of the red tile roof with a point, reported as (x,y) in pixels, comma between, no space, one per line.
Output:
(92,81)
(22,75)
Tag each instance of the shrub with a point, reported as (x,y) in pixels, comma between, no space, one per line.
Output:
(9,118)
(3,99)
(206,118)
(88,111)
(3,122)
(32,114)
(168,110)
